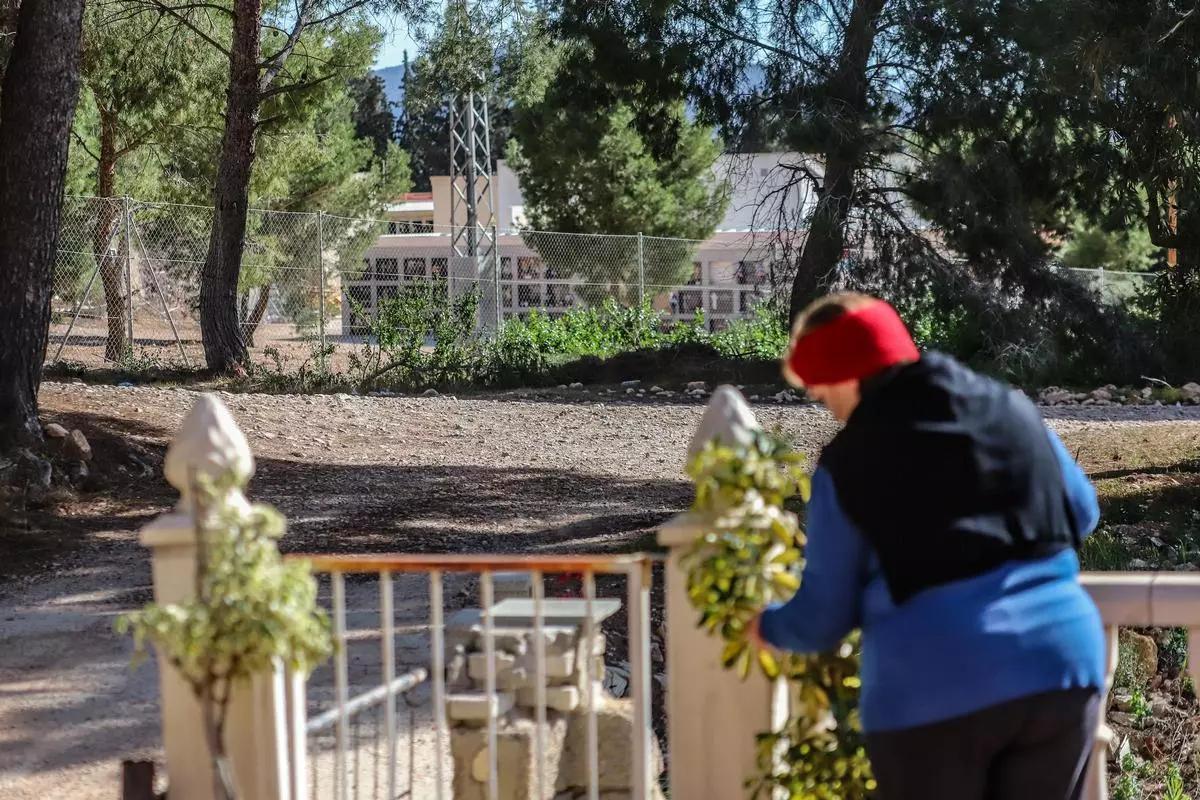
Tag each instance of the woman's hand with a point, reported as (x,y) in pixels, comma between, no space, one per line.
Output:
(754,633)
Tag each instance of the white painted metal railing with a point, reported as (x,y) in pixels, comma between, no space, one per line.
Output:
(346,779)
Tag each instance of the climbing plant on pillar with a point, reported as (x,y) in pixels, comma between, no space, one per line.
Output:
(748,558)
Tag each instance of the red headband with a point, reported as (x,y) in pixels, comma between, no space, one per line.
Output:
(855,345)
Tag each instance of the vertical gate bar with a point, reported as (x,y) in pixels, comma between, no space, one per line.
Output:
(641,270)
(489,648)
(639,580)
(539,682)
(593,736)
(341,681)
(496,273)
(127,205)
(439,677)
(389,676)
(321,288)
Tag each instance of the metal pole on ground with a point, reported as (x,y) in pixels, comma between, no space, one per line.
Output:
(496,274)
(641,270)
(321,288)
(128,215)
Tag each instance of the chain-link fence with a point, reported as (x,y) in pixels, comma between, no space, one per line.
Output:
(128,275)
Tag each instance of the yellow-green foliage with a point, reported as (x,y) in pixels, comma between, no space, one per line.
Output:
(251,607)
(749,557)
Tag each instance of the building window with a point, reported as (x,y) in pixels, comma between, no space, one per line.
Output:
(506,267)
(360,308)
(529,268)
(386,293)
(386,269)
(437,268)
(414,268)
(529,296)
(366,270)
(393,227)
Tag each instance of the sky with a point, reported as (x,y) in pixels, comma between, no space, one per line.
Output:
(398,39)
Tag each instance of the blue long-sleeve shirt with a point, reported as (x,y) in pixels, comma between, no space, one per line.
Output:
(1025,628)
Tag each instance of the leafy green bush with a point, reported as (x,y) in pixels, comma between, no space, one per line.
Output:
(744,561)
(763,336)
(1173,652)
(400,352)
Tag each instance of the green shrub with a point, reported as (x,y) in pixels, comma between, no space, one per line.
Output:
(763,336)
(1174,784)
(1173,651)
(399,352)
(744,561)
(1139,708)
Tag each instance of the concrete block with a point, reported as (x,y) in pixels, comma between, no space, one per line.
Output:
(477,664)
(473,706)
(559,698)
(615,726)
(515,758)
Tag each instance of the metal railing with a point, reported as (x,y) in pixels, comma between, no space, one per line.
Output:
(346,777)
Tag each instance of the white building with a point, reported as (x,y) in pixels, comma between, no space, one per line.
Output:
(730,270)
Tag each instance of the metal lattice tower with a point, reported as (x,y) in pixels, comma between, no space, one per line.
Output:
(472,210)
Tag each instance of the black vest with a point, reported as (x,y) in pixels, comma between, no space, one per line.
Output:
(948,474)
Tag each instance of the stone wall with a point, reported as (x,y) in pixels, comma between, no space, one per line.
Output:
(567,685)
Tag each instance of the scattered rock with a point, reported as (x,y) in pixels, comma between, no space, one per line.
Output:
(1190,391)
(629,390)
(755,398)
(630,384)
(1138,565)
(1123,719)
(1159,707)
(1147,393)
(656,389)
(1101,394)
(76,446)
(1123,702)
(429,393)
(55,431)
(1054,396)
(576,385)
(697,386)
(77,471)
(1138,656)
(616,679)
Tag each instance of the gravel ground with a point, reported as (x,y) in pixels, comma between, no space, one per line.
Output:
(567,471)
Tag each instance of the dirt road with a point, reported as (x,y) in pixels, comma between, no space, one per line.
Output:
(570,473)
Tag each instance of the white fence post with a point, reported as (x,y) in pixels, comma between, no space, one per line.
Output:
(712,715)
(209,443)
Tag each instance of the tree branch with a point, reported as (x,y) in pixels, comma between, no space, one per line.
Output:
(274,65)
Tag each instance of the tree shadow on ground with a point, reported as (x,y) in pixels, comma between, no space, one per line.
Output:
(350,508)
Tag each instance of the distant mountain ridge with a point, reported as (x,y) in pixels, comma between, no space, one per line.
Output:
(393,82)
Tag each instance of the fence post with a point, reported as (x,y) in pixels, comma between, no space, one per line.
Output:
(713,716)
(321,288)
(209,443)
(496,274)
(127,203)
(641,271)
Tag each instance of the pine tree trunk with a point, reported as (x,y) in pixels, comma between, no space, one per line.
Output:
(111,267)
(224,348)
(41,85)
(847,105)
